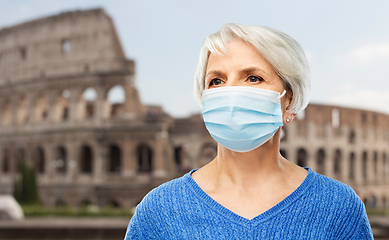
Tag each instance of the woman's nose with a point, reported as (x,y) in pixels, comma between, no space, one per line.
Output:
(233,82)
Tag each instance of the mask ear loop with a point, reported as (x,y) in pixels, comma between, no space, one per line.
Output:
(283,94)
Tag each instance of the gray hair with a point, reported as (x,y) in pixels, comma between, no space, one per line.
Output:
(283,53)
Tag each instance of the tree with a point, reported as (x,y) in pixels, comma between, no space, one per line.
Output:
(25,188)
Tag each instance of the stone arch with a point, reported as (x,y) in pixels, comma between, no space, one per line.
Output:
(115,159)
(338,164)
(65,46)
(113,204)
(62,106)
(23,53)
(20,158)
(7,113)
(375,163)
(116,97)
(207,153)
(60,203)
(5,163)
(61,163)
(302,157)
(22,110)
(87,103)
(373,202)
(145,158)
(351,173)
(86,159)
(39,160)
(178,157)
(364,165)
(320,161)
(284,153)
(41,108)
(351,137)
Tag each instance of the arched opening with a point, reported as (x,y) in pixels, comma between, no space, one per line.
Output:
(364,165)
(320,164)
(86,159)
(41,107)
(283,153)
(351,172)
(178,157)
(351,138)
(115,161)
(61,203)
(338,164)
(89,97)
(116,98)
(62,106)
(373,201)
(375,162)
(65,46)
(61,160)
(364,117)
(7,113)
(145,155)
(302,157)
(113,204)
(5,162)
(20,158)
(23,53)
(39,160)
(208,153)
(22,110)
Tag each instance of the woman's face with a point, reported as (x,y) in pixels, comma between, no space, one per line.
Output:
(242,65)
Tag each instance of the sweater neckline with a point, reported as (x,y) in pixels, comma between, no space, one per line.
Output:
(273,211)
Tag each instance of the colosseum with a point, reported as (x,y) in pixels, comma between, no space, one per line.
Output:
(57,78)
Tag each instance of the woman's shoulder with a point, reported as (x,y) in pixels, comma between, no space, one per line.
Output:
(167,193)
(335,193)
(338,201)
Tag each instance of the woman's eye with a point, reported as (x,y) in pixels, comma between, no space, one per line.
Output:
(215,82)
(255,79)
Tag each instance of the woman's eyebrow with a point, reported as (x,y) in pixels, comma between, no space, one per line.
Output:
(216,73)
(254,69)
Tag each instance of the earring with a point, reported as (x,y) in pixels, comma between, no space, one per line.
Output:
(287,119)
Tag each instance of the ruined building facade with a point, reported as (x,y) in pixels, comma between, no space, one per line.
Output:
(349,145)
(84,151)
(56,78)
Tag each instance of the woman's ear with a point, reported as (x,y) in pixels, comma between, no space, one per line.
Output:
(287,115)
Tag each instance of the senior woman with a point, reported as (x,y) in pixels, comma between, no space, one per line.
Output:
(250,80)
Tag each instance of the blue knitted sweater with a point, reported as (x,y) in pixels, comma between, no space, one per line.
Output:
(320,208)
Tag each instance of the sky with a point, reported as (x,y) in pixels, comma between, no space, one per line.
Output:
(346,42)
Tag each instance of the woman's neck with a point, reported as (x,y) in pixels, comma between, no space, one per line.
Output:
(260,166)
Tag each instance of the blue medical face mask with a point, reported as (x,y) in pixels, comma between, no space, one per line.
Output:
(242,118)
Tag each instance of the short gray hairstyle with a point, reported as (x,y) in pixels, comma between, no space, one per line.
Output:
(284,54)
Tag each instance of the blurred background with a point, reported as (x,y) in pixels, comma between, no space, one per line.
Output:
(97,105)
